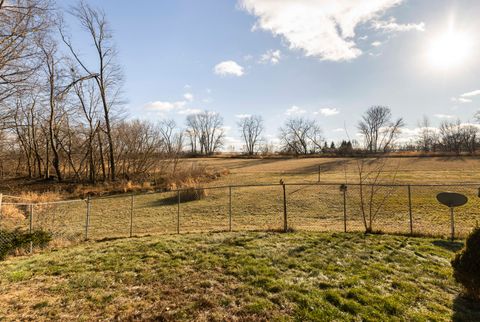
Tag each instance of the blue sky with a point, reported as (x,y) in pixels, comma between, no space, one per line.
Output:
(328,60)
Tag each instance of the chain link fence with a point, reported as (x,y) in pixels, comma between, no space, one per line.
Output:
(396,209)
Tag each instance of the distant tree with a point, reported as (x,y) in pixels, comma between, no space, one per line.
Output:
(251,129)
(301,136)
(451,136)
(427,139)
(378,130)
(205,131)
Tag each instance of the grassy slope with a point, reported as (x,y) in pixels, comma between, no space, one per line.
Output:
(270,276)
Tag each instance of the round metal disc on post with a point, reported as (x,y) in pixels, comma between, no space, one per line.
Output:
(452,199)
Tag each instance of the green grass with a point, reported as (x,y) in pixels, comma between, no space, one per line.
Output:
(244,276)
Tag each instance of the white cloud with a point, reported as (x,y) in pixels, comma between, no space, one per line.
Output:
(295,110)
(444,116)
(243,116)
(471,94)
(376,43)
(391,25)
(461,100)
(189,111)
(188,97)
(228,67)
(322,29)
(165,106)
(271,56)
(327,111)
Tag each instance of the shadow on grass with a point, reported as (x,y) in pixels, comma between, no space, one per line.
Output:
(449,245)
(465,309)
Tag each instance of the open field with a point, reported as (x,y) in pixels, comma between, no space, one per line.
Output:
(314,207)
(410,170)
(239,276)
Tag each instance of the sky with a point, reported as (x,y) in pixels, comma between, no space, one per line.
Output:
(320,59)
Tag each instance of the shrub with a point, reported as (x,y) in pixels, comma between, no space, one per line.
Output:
(192,194)
(466,265)
(12,241)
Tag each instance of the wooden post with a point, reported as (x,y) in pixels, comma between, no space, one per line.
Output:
(230,208)
(345,209)
(319,173)
(285,217)
(452,222)
(87,220)
(178,212)
(31,226)
(132,204)
(410,209)
(1,199)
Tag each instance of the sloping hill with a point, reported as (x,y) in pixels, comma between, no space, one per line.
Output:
(238,276)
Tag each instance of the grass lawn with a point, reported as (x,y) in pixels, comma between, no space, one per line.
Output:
(239,276)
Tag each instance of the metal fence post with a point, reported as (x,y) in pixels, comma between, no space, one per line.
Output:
(345,209)
(178,212)
(87,220)
(31,227)
(410,208)
(285,217)
(319,173)
(452,222)
(230,208)
(132,204)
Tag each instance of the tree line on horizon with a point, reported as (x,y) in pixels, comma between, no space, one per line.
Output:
(62,117)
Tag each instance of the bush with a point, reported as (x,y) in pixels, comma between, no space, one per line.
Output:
(192,194)
(17,240)
(466,265)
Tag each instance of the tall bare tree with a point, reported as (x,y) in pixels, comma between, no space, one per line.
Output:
(108,74)
(301,136)
(378,130)
(251,129)
(22,23)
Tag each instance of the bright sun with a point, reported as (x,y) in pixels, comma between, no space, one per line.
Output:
(450,50)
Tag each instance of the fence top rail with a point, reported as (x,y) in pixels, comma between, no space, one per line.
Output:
(126,195)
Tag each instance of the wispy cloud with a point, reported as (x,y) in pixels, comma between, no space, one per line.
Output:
(327,111)
(391,25)
(189,111)
(188,97)
(444,116)
(376,43)
(165,106)
(471,94)
(323,29)
(271,56)
(295,110)
(461,100)
(229,67)
(243,116)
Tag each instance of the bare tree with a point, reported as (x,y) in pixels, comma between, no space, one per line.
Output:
(427,138)
(375,188)
(378,130)
(108,75)
(22,23)
(251,129)
(205,130)
(451,136)
(171,137)
(301,136)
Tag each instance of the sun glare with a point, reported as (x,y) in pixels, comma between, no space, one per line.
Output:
(450,50)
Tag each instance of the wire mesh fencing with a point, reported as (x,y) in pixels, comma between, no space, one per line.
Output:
(404,209)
